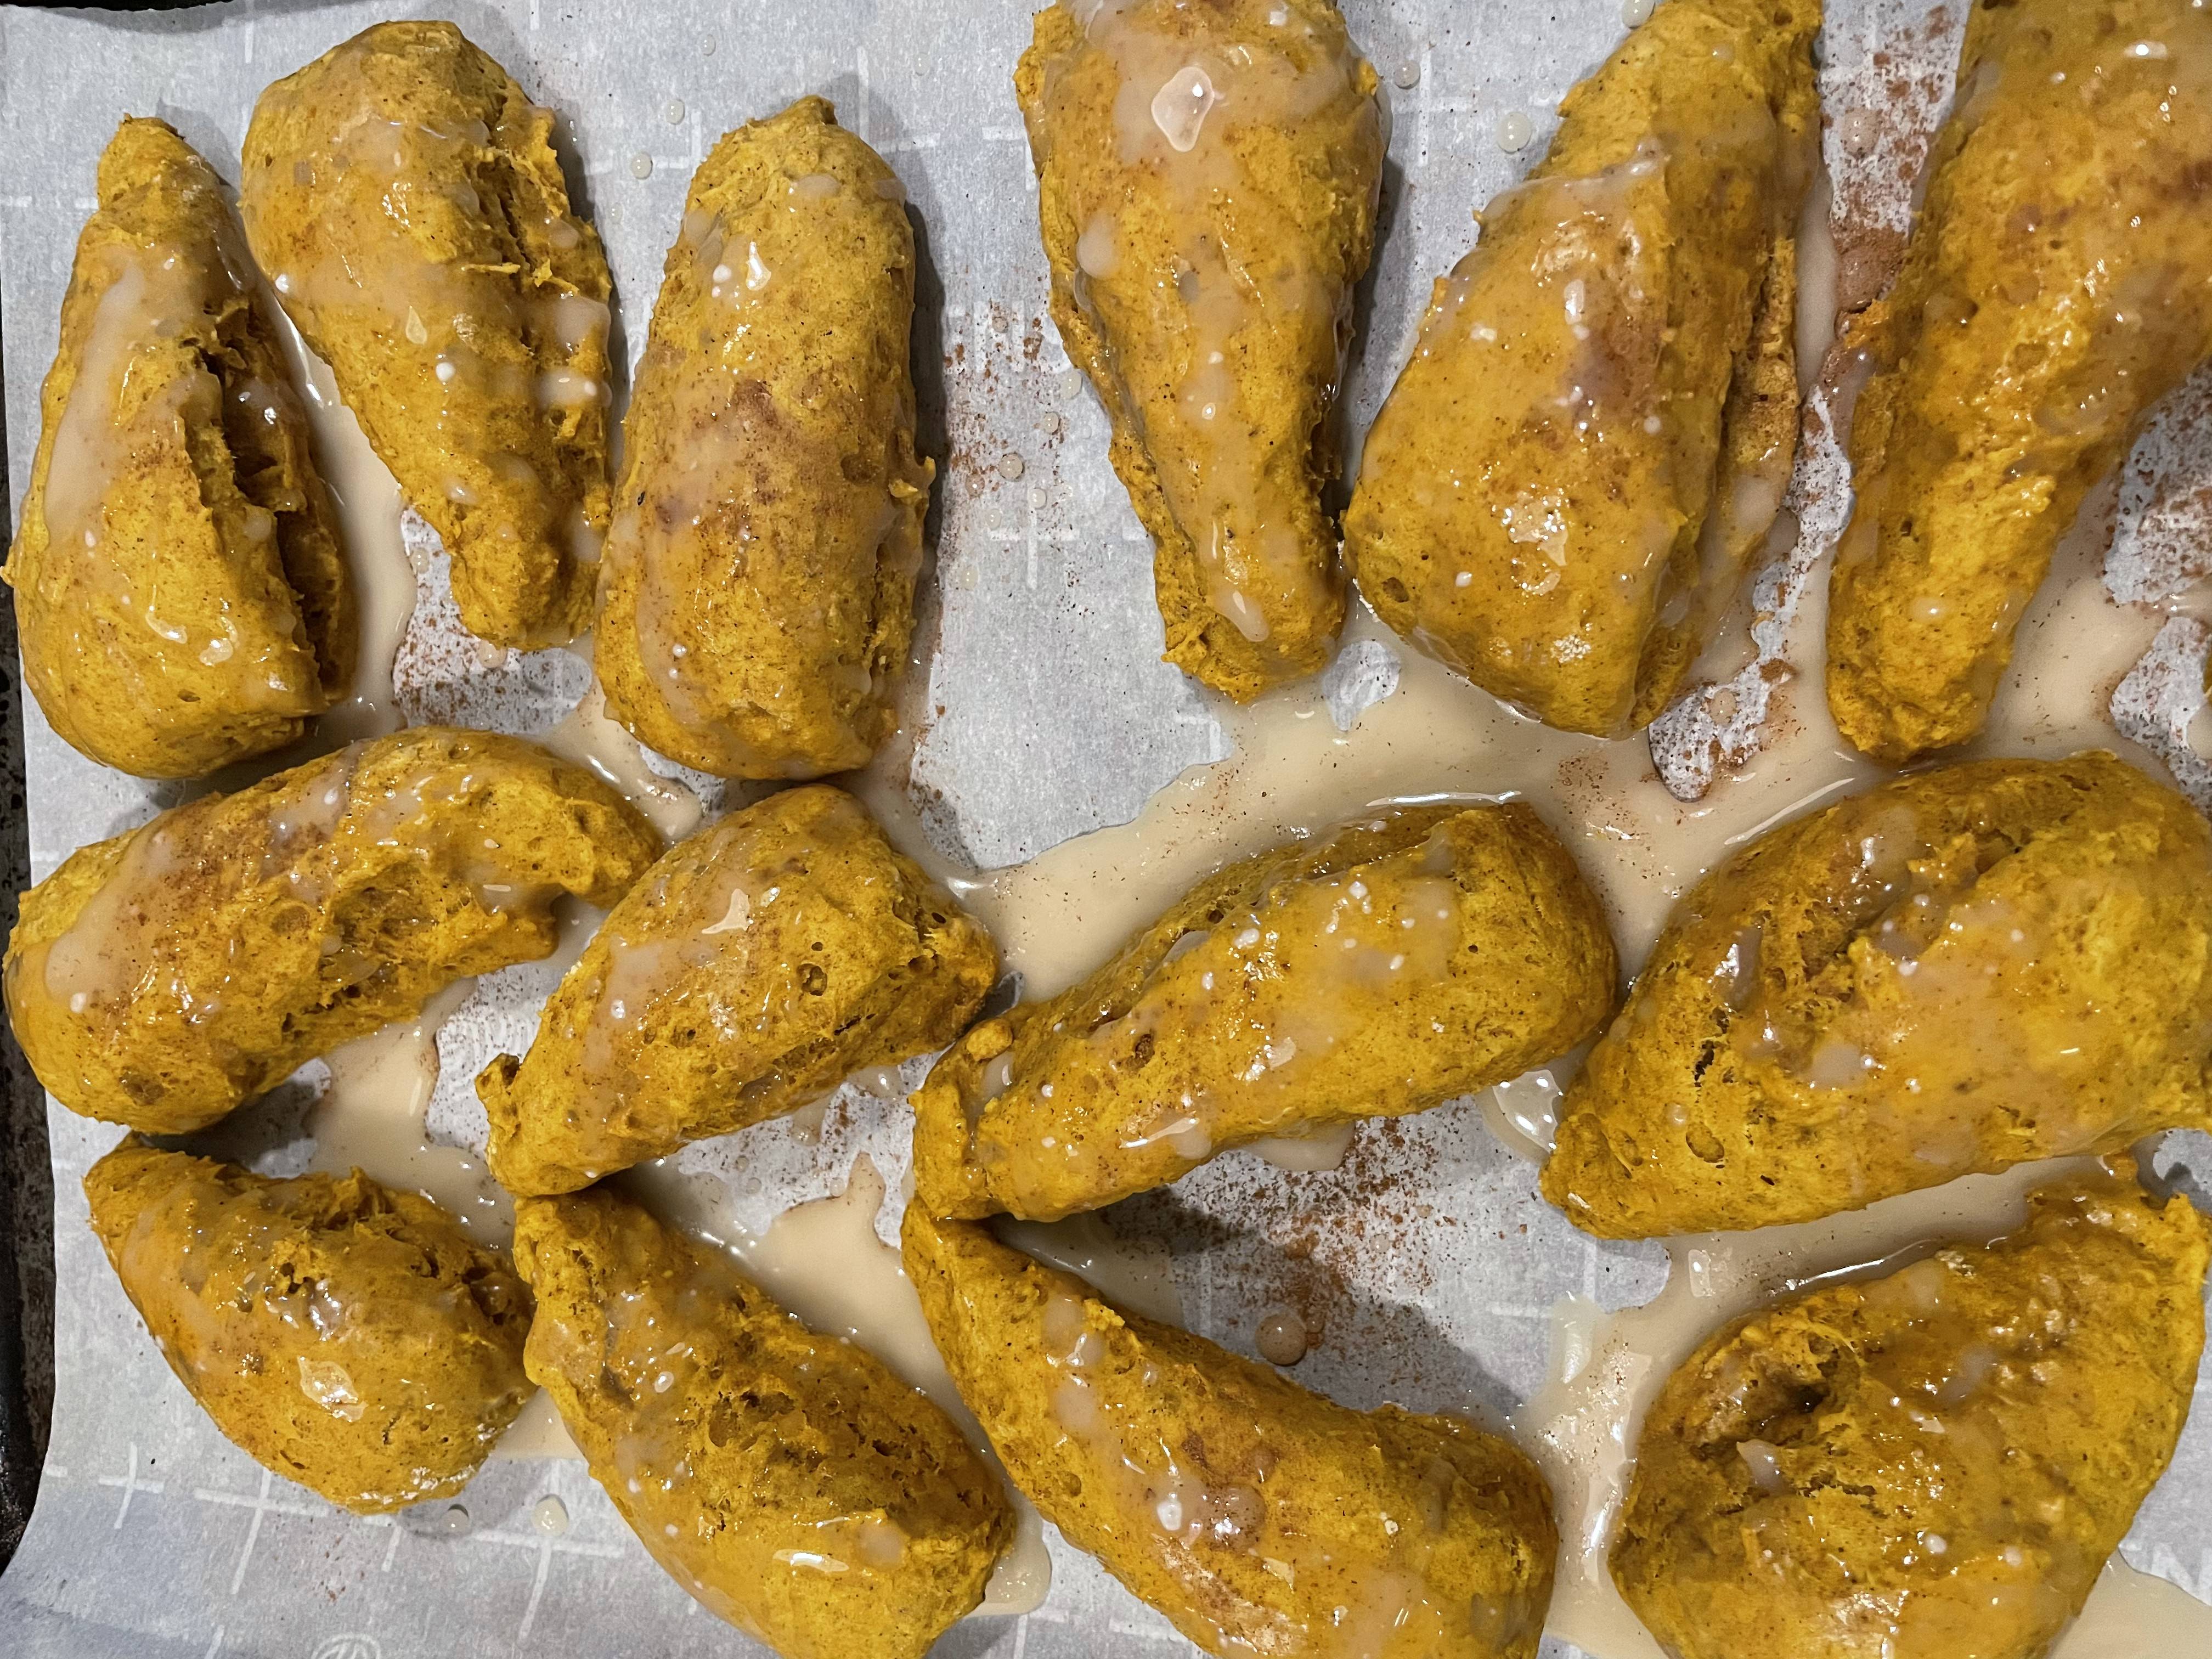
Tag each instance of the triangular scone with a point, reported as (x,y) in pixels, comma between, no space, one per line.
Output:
(346,1336)
(757,594)
(403,195)
(1973,968)
(181,591)
(1561,495)
(751,970)
(1257,1516)
(1397,963)
(1930,1465)
(2054,290)
(788,1479)
(1208,182)
(165,977)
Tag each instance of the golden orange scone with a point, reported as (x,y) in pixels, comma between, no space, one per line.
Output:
(181,592)
(2057,285)
(1935,1464)
(751,970)
(350,1337)
(404,194)
(1592,438)
(1208,178)
(758,595)
(788,1480)
(1258,1517)
(1403,960)
(161,978)
(1973,967)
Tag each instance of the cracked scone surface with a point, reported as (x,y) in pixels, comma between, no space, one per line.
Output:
(1972,967)
(788,1480)
(2057,285)
(1935,1464)
(404,194)
(749,972)
(1257,1516)
(757,596)
(345,1335)
(1203,264)
(1592,435)
(1387,967)
(161,978)
(181,592)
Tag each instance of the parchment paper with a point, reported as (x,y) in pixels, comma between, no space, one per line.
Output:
(153,1537)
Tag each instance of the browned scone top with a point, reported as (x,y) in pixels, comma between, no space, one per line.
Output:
(1258,1517)
(1593,435)
(2057,286)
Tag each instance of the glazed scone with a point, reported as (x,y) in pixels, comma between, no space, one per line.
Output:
(757,594)
(1969,969)
(181,591)
(161,978)
(751,970)
(1401,961)
(1592,437)
(1931,1465)
(1203,264)
(1258,1517)
(347,1336)
(2057,285)
(788,1480)
(403,195)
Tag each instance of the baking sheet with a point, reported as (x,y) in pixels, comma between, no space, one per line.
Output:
(153,1536)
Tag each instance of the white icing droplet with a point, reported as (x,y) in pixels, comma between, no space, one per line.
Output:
(1096,250)
(550,1516)
(674,113)
(1180,108)
(1515,131)
(640,166)
(1636,13)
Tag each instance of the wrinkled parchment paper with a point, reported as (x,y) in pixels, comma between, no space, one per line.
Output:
(153,1537)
